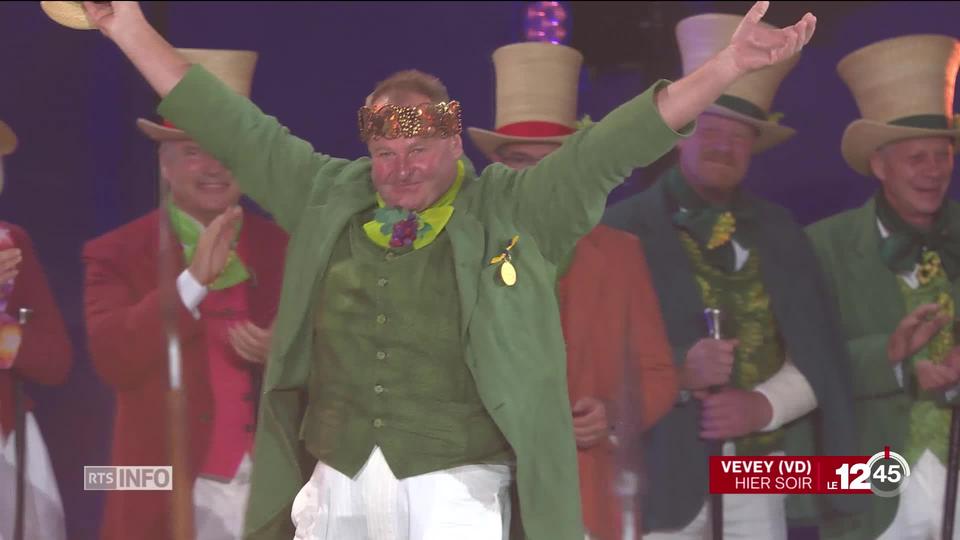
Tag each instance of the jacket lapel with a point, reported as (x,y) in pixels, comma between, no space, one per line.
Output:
(679,295)
(467,239)
(872,277)
(319,229)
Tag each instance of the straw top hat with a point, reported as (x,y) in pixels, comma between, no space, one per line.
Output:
(904,89)
(234,68)
(69,14)
(536,95)
(699,38)
(8,143)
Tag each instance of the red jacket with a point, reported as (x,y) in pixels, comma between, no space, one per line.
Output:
(612,326)
(128,346)
(45,354)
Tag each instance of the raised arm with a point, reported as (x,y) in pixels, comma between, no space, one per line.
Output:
(276,169)
(563,196)
(753,46)
(123,22)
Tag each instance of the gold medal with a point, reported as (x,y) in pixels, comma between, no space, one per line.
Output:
(508,274)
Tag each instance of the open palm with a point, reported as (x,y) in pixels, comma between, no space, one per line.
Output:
(755,45)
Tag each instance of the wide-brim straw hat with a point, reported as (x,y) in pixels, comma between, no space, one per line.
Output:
(536,95)
(904,89)
(235,68)
(749,99)
(69,14)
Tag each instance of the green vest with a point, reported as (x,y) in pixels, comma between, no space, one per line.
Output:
(742,299)
(389,369)
(929,419)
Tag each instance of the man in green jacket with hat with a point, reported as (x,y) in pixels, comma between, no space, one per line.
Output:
(894,265)
(418,364)
(712,245)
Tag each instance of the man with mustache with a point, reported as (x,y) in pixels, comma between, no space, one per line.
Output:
(894,265)
(225,302)
(418,366)
(710,244)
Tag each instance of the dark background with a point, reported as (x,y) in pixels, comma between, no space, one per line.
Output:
(83,168)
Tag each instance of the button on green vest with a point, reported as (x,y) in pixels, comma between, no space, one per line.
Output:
(389,368)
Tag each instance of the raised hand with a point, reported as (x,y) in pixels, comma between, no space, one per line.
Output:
(754,45)
(113,17)
(914,331)
(213,247)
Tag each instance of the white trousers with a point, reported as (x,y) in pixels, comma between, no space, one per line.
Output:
(43,508)
(219,507)
(745,517)
(920,512)
(471,502)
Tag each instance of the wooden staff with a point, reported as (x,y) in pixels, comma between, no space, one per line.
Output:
(20,440)
(953,466)
(715,447)
(178,427)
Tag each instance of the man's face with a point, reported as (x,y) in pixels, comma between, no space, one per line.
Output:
(716,157)
(915,174)
(413,173)
(522,155)
(199,184)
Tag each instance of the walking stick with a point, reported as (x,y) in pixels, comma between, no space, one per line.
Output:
(953,466)
(20,441)
(631,477)
(178,428)
(715,447)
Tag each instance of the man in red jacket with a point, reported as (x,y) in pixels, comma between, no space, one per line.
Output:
(225,302)
(39,352)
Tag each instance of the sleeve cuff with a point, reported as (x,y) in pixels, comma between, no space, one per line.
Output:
(191,292)
(789,394)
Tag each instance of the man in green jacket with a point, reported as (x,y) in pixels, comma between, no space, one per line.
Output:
(894,265)
(418,363)
(709,243)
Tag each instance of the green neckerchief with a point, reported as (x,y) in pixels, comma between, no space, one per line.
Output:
(711,226)
(188,232)
(397,228)
(904,247)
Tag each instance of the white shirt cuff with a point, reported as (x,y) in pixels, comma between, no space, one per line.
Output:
(789,394)
(898,373)
(952,393)
(191,292)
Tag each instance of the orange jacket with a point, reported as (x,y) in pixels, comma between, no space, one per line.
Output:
(615,339)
